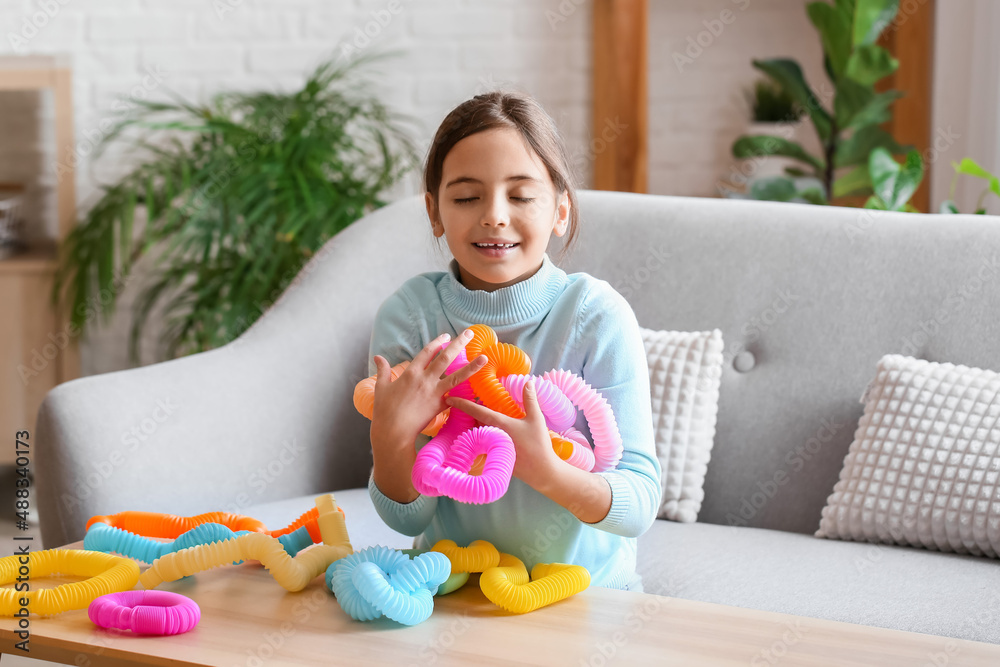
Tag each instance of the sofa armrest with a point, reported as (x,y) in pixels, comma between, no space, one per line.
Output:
(266,417)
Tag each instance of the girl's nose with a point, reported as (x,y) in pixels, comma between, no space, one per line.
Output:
(497,212)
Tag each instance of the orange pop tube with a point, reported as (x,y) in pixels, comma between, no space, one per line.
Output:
(502,359)
(483,337)
(157,524)
(293,574)
(364,399)
(507,585)
(171,526)
(478,556)
(108,574)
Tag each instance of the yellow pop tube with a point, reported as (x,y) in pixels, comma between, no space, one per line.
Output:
(476,557)
(507,585)
(108,574)
(293,574)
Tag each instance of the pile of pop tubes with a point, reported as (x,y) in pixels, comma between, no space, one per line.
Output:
(473,463)
(368,584)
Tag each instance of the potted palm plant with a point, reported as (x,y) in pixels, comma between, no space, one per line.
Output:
(234,196)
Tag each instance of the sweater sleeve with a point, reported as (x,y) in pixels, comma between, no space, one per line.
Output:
(615,365)
(395,337)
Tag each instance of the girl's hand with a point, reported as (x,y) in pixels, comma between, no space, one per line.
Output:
(535,459)
(404,407)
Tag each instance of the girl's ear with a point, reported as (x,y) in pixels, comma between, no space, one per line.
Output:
(432,213)
(562,215)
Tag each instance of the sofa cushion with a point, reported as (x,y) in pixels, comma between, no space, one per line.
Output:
(924,464)
(895,587)
(685,369)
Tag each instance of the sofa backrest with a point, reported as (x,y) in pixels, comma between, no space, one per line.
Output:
(808,298)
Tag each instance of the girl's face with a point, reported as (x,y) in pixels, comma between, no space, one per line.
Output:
(495,190)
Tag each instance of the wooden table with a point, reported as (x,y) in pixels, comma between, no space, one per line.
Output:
(249,620)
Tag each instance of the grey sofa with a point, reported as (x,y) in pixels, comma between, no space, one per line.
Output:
(808,299)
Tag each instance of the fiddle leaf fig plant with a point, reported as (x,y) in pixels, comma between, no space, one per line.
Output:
(849,130)
(236,195)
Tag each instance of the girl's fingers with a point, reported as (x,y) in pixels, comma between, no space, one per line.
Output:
(422,358)
(479,412)
(441,362)
(381,370)
(466,371)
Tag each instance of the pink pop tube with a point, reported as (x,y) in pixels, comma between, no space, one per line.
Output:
(559,414)
(442,465)
(454,480)
(145,612)
(557,408)
(582,456)
(600,418)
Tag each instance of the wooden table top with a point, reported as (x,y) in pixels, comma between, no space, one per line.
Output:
(248,619)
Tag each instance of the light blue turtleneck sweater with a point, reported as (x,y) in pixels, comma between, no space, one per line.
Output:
(573,322)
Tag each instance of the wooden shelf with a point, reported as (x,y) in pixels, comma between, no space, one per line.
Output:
(35,351)
(38,258)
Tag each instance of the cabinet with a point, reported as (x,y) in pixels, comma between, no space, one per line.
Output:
(37,350)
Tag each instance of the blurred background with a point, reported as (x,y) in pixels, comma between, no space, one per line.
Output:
(255,157)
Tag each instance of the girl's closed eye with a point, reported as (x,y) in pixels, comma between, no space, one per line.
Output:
(523,200)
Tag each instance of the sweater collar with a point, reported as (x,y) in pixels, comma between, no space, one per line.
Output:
(507,305)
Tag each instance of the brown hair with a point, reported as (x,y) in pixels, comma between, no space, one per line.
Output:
(517,111)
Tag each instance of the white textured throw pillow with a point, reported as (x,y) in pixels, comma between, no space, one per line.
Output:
(685,369)
(923,467)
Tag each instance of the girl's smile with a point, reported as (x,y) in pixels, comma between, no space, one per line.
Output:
(496,208)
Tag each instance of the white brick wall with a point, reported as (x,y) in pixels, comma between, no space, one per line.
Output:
(453,49)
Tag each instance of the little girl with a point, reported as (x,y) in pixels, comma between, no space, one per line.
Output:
(497,187)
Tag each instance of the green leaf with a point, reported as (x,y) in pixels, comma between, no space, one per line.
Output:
(875,203)
(775,188)
(856,181)
(788,74)
(876,111)
(869,64)
(795,172)
(871,17)
(761,145)
(847,7)
(855,149)
(981,211)
(834,26)
(970,167)
(895,184)
(813,196)
(948,206)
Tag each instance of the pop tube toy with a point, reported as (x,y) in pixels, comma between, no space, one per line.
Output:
(507,585)
(600,418)
(102,537)
(108,574)
(145,612)
(379,581)
(171,526)
(293,574)
(480,555)
(455,581)
(444,466)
